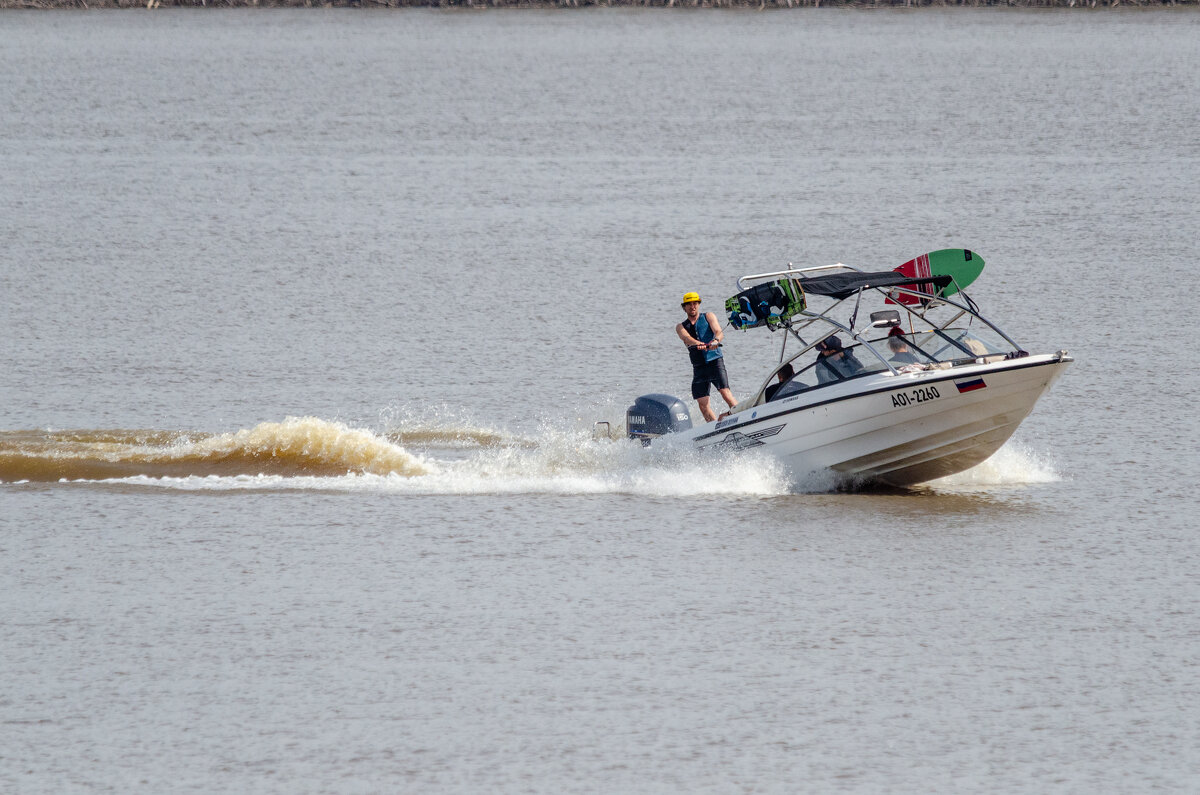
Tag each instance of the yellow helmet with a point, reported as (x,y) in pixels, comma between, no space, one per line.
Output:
(689,298)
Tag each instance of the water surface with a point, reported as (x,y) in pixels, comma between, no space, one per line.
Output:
(329,300)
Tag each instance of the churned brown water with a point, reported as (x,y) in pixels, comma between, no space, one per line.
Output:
(305,318)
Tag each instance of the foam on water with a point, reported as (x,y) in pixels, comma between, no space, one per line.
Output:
(573,462)
(1013,464)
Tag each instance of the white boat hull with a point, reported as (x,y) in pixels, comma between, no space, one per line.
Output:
(896,429)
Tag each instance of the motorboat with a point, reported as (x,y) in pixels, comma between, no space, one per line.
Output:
(914,385)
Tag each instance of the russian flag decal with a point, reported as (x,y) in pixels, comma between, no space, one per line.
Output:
(970,386)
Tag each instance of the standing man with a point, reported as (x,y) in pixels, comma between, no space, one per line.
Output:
(701,333)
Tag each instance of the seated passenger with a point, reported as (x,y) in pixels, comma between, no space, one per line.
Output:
(784,374)
(835,362)
(898,344)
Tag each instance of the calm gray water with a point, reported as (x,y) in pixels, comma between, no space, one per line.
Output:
(443,244)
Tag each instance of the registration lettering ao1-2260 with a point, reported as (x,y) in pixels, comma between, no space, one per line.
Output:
(921,394)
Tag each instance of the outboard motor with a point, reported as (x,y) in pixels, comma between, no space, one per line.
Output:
(654,415)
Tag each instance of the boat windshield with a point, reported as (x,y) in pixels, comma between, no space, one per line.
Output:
(951,344)
(920,349)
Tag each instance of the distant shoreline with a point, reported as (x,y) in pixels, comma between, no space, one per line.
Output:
(485,4)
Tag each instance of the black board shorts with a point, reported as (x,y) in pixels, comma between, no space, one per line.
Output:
(710,373)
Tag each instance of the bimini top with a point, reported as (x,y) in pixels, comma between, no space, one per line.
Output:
(844,285)
(774,303)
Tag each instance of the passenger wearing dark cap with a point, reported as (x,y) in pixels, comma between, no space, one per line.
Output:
(835,362)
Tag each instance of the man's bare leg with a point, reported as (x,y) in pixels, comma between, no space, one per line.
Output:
(708,413)
(727,396)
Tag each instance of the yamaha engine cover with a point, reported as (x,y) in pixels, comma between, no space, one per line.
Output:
(654,415)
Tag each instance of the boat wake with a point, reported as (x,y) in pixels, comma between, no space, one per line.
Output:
(418,456)
(296,446)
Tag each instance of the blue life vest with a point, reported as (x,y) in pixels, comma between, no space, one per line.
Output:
(702,331)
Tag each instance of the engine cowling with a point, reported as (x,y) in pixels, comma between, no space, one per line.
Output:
(655,415)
